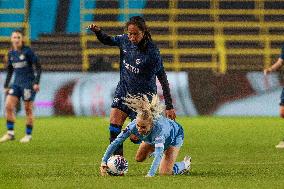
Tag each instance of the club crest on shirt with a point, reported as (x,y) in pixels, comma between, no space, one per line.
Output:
(126,129)
(22,57)
(138,61)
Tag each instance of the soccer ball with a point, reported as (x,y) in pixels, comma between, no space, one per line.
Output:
(117,165)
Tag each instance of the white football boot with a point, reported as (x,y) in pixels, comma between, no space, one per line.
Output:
(7,137)
(26,139)
(187,162)
(280,145)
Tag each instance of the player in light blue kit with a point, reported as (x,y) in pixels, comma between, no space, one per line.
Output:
(159,134)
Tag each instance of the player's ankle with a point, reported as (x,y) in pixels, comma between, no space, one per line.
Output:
(11,132)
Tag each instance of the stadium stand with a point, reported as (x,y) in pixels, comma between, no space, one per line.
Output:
(12,15)
(43,16)
(221,35)
(218,35)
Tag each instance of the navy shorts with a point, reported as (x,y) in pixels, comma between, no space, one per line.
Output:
(120,93)
(27,94)
(282,98)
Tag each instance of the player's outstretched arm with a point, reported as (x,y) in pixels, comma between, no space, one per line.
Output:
(274,67)
(114,145)
(159,149)
(111,148)
(103,37)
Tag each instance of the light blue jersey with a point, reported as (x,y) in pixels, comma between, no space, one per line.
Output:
(165,133)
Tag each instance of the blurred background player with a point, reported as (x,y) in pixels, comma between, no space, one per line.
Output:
(159,134)
(273,68)
(140,64)
(21,60)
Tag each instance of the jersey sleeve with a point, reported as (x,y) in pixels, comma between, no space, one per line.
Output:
(120,139)
(33,59)
(109,40)
(8,59)
(162,77)
(10,71)
(158,153)
(282,53)
(157,62)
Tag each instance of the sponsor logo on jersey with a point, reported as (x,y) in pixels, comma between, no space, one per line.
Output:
(20,64)
(159,139)
(138,61)
(22,57)
(131,68)
(126,129)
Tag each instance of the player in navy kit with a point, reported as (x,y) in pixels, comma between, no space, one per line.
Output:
(21,60)
(273,68)
(140,64)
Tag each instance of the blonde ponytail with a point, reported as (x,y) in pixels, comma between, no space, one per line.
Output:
(143,107)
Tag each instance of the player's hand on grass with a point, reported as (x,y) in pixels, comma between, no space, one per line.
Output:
(36,87)
(103,169)
(171,114)
(94,28)
(267,71)
(149,176)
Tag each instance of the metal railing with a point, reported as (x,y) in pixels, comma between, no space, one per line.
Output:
(220,51)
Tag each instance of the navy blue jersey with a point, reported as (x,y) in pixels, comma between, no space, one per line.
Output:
(282,53)
(20,62)
(139,69)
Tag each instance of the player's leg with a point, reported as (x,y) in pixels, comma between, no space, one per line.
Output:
(144,151)
(28,95)
(281,111)
(168,161)
(11,103)
(29,121)
(169,166)
(117,119)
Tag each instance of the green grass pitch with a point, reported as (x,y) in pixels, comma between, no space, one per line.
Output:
(66,153)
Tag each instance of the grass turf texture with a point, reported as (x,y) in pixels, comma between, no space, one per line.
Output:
(66,153)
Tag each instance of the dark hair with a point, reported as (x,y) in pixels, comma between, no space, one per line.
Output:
(20,32)
(141,24)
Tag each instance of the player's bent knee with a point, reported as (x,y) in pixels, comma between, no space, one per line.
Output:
(9,108)
(165,172)
(139,158)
